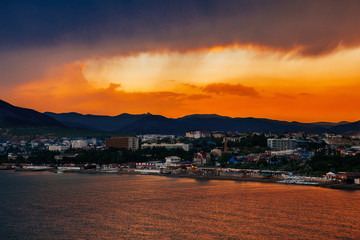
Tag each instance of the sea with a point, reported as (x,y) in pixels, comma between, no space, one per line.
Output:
(45,205)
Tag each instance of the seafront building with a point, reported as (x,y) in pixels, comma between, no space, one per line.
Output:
(150,165)
(172,161)
(201,158)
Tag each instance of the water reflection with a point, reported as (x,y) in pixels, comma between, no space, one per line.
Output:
(81,206)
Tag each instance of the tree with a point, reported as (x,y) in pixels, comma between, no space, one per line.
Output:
(224,159)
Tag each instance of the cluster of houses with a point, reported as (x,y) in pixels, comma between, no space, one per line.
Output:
(175,165)
(289,145)
(351,151)
(344,177)
(24,148)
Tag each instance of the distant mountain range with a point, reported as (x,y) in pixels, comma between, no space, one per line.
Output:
(148,123)
(11,116)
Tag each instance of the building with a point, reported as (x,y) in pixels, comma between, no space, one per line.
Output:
(127,142)
(198,134)
(184,146)
(282,144)
(217,152)
(154,137)
(58,148)
(79,144)
(34,144)
(150,165)
(282,153)
(172,161)
(201,158)
(218,134)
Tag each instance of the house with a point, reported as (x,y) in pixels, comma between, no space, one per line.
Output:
(172,161)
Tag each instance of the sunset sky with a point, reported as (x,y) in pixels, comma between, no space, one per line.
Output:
(285,60)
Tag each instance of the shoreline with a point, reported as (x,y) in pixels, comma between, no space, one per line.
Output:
(328,185)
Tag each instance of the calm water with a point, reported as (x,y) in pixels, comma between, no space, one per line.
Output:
(81,206)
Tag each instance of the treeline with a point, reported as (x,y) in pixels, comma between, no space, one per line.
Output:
(112,155)
(280,163)
(119,156)
(335,163)
(246,145)
(317,165)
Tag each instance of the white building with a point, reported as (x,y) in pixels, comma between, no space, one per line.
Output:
(281,144)
(79,144)
(150,165)
(198,134)
(58,148)
(184,146)
(153,137)
(282,153)
(172,161)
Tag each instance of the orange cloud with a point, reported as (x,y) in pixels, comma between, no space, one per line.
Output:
(283,96)
(197,97)
(67,89)
(232,89)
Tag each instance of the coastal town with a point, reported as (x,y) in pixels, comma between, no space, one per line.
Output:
(291,158)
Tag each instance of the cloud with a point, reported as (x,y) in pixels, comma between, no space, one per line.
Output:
(114,86)
(284,96)
(64,89)
(197,97)
(38,35)
(305,94)
(311,27)
(191,86)
(232,89)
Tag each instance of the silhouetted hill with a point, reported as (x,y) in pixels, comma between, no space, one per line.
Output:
(348,128)
(148,123)
(153,124)
(12,116)
(96,122)
(244,124)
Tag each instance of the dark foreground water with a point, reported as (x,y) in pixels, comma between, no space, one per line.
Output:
(81,206)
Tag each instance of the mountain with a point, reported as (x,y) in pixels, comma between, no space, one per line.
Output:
(148,123)
(95,122)
(244,124)
(154,124)
(12,116)
(347,128)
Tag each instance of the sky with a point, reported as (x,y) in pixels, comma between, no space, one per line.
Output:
(293,60)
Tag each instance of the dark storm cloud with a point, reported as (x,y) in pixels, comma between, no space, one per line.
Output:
(316,27)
